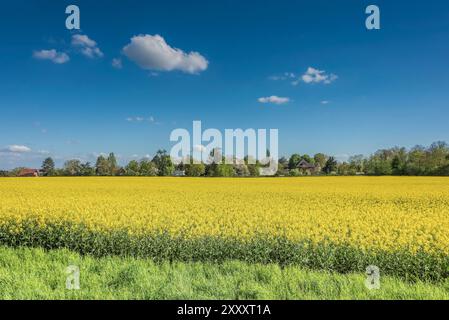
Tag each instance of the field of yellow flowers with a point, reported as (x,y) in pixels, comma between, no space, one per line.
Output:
(343,224)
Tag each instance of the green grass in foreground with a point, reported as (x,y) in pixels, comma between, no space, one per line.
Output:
(37,274)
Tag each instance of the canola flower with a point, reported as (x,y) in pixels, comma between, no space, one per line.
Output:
(388,214)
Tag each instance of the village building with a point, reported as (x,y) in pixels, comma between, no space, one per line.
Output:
(308,168)
(29,173)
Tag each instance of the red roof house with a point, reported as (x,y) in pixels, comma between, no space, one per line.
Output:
(29,173)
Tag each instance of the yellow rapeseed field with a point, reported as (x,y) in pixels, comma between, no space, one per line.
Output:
(388,213)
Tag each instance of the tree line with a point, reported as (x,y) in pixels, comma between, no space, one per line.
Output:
(418,161)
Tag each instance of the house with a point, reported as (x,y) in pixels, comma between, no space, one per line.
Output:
(308,168)
(29,173)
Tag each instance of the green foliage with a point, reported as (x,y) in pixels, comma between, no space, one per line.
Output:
(113,166)
(48,167)
(72,168)
(254,170)
(330,166)
(419,161)
(147,168)
(41,274)
(87,170)
(195,170)
(224,170)
(295,173)
(102,167)
(241,170)
(132,169)
(294,161)
(320,159)
(163,163)
(4,173)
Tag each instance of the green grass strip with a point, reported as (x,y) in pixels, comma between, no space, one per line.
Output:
(34,273)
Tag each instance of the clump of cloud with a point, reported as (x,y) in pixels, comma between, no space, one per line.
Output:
(153,53)
(117,63)
(274,100)
(16,149)
(88,47)
(141,119)
(313,75)
(52,55)
(284,76)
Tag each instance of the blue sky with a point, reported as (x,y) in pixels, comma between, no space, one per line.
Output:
(349,90)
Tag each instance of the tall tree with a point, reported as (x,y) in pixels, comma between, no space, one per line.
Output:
(330,166)
(72,167)
(163,163)
(48,167)
(320,159)
(294,160)
(113,167)
(87,170)
(147,168)
(102,167)
(132,169)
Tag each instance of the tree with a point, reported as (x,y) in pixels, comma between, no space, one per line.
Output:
(357,163)
(87,170)
(132,169)
(163,163)
(437,155)
(330,166)
(195,170)
(294,160)
(241,170)
(72,168)
(345,169)
(16,171)
(113,167)
(147,168)
(294,172)
(48,167)
(320,159)
(224,170)
(307,158)
(4,173)
(102,166)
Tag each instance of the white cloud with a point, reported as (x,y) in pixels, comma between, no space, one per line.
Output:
(87,46)
(141,119)
(117,63)
(313,75)
(17,149)
(284,76)
(83,41)
(325,102)
(274,99)
(52,55)
(153,53)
